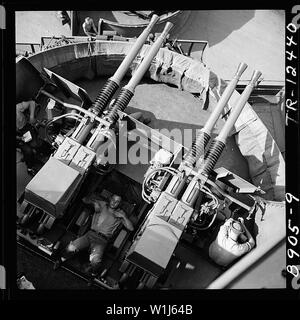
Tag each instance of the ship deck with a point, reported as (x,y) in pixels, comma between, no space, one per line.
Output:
(166,115)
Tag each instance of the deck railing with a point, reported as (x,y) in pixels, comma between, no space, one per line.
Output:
(25,48)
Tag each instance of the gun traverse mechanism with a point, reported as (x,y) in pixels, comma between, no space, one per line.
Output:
(169,218)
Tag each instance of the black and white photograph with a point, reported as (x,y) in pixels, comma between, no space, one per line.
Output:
(151,151)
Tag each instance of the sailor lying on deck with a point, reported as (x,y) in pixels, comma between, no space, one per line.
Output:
(105,221)
(227,247)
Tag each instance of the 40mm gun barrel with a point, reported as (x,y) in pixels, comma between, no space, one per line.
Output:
(113,83)
(200,142)
(203,137)
(127,92)
(219,142)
